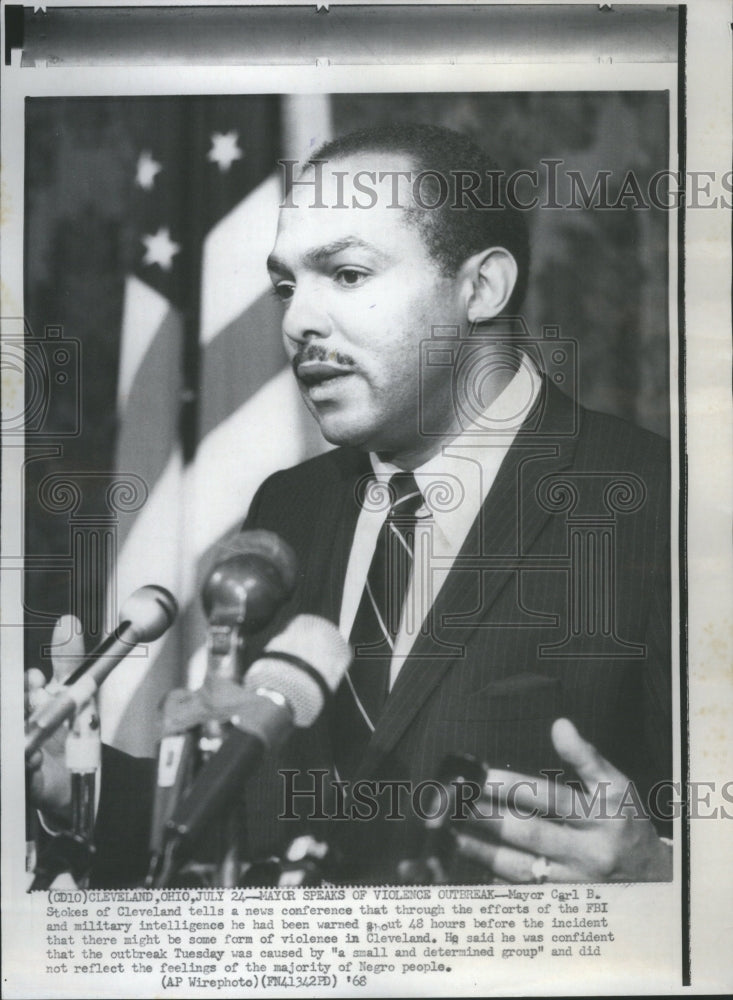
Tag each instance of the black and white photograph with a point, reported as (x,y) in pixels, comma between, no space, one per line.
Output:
(351,423)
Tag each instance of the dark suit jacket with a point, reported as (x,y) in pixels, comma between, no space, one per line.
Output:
(558,605)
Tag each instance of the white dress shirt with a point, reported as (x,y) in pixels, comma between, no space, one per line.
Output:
(455,484)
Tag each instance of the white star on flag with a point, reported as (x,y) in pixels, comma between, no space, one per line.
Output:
(160,249)
(147,169)
(224,150)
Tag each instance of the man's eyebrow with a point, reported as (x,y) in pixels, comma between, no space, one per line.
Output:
(275,264)
(321,255)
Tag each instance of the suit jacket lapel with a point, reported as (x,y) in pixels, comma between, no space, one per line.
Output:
(507,526)
(333,526)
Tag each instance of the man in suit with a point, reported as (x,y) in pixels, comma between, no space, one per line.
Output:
(497,555)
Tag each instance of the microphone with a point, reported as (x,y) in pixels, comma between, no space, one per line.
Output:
(144,616)
(240,595)
(282,690)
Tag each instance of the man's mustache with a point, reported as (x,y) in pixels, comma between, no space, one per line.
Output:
(317,352)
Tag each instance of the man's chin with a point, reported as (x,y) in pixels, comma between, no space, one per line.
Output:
(351,429)
(343,436)
(339,430)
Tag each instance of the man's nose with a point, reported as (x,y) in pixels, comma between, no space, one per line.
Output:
(306,317)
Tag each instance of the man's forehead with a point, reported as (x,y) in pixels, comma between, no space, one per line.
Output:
(338,202)
(366,180)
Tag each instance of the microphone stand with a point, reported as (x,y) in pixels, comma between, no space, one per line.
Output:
(73,850)
(201,739)
(83,759)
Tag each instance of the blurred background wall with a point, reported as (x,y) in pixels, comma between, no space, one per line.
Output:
(187,325)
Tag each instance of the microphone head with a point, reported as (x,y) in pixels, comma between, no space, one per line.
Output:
(248,586)
(325,657)
(149,611)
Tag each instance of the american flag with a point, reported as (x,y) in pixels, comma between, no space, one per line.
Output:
(206,405)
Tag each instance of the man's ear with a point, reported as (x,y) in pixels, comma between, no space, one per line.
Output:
(491,275)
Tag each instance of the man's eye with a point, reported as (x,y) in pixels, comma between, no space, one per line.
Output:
(349,276)
(283,290)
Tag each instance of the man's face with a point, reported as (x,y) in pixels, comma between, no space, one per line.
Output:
(360,293)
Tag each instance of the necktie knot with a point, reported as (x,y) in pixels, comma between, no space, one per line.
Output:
(405,497)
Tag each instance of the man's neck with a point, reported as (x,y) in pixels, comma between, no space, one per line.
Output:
(410,460)
(427,447)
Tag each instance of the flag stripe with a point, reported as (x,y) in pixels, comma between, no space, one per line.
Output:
(148,556)
(144,312)
(235,252)
(144,443)
(245,355)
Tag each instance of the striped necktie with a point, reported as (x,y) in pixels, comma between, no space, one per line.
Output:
(361,695)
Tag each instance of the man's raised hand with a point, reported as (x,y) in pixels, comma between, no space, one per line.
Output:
(541,830)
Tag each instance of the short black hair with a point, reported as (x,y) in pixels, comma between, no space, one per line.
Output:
(455,229)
